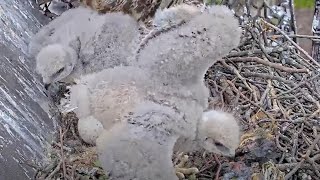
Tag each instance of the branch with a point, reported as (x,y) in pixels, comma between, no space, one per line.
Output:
(292,42)
(268,63)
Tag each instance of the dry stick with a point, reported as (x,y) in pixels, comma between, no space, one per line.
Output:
(219,167)
(73,171)
(307,155)
(295,141)
(308,140)
(256,52)
(316,157)
(285,166)
(301,60)
(313,164)
(268,76)
(248,100)
(283,149)
(312,90)
(296,36)
(255,93)
(264,95)
(258,40)
(312,99)
(298,85)
(62,154)
(268,63)
(236,72)
(274,102)
(207,165)
(293,43)
(54,171)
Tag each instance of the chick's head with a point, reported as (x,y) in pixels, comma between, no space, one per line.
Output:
(219,132)
(55,62)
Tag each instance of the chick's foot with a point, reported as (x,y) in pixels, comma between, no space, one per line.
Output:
(180,169)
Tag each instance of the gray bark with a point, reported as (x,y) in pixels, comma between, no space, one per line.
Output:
(25,126)
(316,31)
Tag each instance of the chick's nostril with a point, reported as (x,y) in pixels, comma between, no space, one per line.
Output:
(46,86)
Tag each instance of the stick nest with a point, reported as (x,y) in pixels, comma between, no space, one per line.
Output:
(272,86)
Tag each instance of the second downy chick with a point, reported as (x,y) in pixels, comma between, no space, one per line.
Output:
(56,62)
(97,44)
(176,61)
(74,23)
(108,95)
(218,132)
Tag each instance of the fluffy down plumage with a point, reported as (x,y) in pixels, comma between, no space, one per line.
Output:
(99,42)
(148,108)
(176,62)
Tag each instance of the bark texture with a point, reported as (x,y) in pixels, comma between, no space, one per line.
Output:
(25,126)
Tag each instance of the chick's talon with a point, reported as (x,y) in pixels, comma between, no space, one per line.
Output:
(180,170)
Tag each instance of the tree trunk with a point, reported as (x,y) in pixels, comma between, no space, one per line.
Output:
(25,126)
(316,31)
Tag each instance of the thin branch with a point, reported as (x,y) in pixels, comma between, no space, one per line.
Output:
(292,42)
(268,63)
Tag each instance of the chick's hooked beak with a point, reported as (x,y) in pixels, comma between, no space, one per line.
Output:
(46,86)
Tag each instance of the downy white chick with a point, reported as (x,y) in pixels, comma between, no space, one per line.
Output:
(142,150)
(196,42)
(107,96)
(176,62)
(174,15)
(99,39)
(74,23)
(167,19)
(107,101)
(219,132)
(136,151)
(56,62)
(113,46)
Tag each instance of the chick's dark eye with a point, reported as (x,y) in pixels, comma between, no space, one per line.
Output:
(218,144)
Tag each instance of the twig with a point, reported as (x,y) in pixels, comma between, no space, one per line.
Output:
(285,166)
(62,153)
(64,147)
(219,167)
(296,36)
(268,63)
(292,42)
(207,166)
(236,72)
(307,155)
(268,76)
(55,170)
(298,85)
(275,106)
(256,52)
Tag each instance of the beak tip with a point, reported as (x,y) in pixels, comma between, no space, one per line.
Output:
(46,86)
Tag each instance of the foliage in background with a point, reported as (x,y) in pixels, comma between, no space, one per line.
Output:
(304,3)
